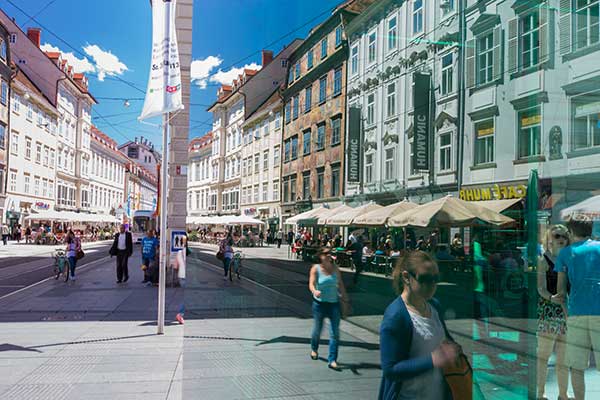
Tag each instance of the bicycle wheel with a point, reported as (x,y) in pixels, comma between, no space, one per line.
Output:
(57,270)
(66,270)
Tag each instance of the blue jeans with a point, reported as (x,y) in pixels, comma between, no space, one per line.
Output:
(226,264)
(182,305)
(322,310)
(72,264)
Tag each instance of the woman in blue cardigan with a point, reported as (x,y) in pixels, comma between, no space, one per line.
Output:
(415,344)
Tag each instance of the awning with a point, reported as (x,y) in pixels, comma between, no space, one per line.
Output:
(589,207)
(70,216)
(380,216)
(322,219)
(305,215)
(499,205)
(347,217)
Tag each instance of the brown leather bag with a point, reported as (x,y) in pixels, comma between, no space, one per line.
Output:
(459,378)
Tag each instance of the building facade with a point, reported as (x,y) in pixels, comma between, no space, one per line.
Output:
(31,152)
(107,175)
(142,152)
(199,175)
(5,82)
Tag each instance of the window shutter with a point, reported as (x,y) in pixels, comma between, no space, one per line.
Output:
(470,63)
(545,39)
(565,27)
(513,45)
(498,60)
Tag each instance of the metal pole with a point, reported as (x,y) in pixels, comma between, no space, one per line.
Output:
(164,253)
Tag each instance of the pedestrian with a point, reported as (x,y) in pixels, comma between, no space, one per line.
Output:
(18,233)
(28,235)
(355,247)
(327,288)
(578,264)
(261,238)
(73,248)
(180,265)
(226,250)
(5,233)
(415,344)
(149,251)
(122,247)
(279,238)
(290,237)
(552,323)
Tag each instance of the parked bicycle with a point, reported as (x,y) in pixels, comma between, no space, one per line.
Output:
(61,264)
(236,264)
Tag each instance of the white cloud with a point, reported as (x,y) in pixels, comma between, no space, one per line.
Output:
(79,64)
(106,62)
(102,62)
(202,71)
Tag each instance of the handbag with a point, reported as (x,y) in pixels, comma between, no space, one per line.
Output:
(220,255)
(459,378)
(80,254)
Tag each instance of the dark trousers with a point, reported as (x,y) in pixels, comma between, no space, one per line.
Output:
(122,269)
(358,267)
(278,243)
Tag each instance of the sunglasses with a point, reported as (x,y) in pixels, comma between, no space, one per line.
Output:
(559,236)
(426,279)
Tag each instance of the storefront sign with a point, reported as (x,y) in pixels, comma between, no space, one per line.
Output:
(533,120)
(42,206)
(421,96)
(495,192)
(587,109)
(250,211)
(354,145)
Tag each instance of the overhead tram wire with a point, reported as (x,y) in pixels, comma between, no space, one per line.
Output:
(40,11)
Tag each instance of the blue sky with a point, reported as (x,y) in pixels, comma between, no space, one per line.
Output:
(112,42)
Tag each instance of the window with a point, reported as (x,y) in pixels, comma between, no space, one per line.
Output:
(14,145)
(36,185)
(586,122)
(276,190)
(371,109)
(44,187)
(294,147)
(26,183)
(337,81)
(16,103)
(587,23)
(40,118)
(291,75)
(47,159)
(38,152)
(297,68)
(307,99)
(411,157)
(447,74)
(417,16)
(4,92)
(287,150)
(323,48)
(447,7)
(286,191)
(12,181)
(306,186)
(288,111)
(338,36)
(391,100)
(335,181)
(323,89)
(266,160)
(265,128)
(265,191)
(369,168)
(13,38)
(30,113)
(389,164)
(336,130)
(2,137)
(445,151)
(320,137)
(296,106)
(392,33)
(276,156)
(530,136)
(529,33)
(354,60)
(484,142)
(372,47)
(306,138)
(310,59)
(320,183)
(3,49)
(293,188)
(256,193)
(485,58)
(52,157)
(277,120)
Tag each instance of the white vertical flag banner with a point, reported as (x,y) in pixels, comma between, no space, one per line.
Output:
(164,86)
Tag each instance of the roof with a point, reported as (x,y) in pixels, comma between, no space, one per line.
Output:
(200,142)
(23,78)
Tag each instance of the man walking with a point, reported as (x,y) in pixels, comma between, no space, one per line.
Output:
(279,238)
(122,248)
(149,245)
(580,264)
(5,233)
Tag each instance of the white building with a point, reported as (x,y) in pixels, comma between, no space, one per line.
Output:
(388,43)
(261,163)
(142,152)
(199,175)
(32,152)
(107,175)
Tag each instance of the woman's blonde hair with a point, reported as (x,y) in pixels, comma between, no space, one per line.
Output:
(409,263)
(558,228)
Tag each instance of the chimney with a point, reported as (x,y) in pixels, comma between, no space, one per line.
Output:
(35,35)
(136,139)
(267,57)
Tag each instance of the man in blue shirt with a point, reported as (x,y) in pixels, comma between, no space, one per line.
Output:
(149,245)
(580,264)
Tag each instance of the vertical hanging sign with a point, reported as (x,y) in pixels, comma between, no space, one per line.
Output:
(164,85)
(354,152)
(422,122)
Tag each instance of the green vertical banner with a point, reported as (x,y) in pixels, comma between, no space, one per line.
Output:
(422,122)
(531,206)
(354,151)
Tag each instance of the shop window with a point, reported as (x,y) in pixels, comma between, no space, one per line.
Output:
(586,122)
(484,142)
(530,131)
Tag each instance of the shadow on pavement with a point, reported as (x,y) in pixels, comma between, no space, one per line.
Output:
(303,340)
(11,347)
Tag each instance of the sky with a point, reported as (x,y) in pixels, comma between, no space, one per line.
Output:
(110,41)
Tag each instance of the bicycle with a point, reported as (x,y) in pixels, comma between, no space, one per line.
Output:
(61,264)
(236,263)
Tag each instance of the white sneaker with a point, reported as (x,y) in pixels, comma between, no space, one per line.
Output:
(73,278)
(224,277)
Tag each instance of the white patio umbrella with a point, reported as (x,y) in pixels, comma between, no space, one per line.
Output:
(322,218)
(296,219)
(347,217)
(380,216)
(589,207)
